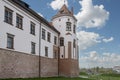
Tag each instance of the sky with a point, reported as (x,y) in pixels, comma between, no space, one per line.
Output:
(98,28)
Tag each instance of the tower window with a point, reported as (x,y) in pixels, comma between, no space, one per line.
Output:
(19,21)
(8,15)
(59,19)
(68,19)
(61,41)
(74,43)
(74,29)
(68,26)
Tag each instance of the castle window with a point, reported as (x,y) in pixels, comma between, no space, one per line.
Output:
(48,37)
(8,15)
(32,28)
(19,21)
(55,54)
(46,51)
(74,43)
(68,26)
(43,34)
(61,41)
(10,41)
(74,29)
(55,40)
(32,47)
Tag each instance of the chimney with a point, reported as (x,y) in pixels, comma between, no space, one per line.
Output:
(72,10)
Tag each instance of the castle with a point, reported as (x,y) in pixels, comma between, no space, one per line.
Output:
(30,46)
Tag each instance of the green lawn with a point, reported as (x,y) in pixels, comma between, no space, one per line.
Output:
(59,78)
(92,77)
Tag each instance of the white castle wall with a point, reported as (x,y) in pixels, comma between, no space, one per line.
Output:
(23,38)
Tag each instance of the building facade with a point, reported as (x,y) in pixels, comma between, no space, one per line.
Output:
(30,46)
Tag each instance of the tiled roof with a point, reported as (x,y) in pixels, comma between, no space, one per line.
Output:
(64,11)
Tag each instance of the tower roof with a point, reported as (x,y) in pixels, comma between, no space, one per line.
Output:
(64,11)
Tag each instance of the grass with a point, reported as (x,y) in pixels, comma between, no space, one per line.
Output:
(55,78)
(104,78)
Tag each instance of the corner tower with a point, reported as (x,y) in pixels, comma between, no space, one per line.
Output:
(65,22)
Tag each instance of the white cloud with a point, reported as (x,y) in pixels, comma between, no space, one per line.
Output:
(91,16)
(40,14)
(93,54)
(87,39)
(108,40)
(103,59)
(57,4)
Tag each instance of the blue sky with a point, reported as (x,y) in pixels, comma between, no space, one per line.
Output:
(98,28)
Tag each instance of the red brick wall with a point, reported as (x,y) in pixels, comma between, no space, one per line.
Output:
(49,67)
(15,64)
(21,65)
(68,68)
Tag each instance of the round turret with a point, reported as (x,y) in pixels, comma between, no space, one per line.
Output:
(65,22)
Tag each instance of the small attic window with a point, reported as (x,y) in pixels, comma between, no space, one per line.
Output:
(59,19)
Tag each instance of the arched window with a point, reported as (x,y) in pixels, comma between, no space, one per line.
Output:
(68,26)
(61,41)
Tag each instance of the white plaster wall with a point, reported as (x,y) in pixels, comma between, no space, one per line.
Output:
(45,43)
(23,38)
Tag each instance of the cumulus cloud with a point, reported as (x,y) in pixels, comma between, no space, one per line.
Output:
(91,16)
(57,4)
(108,40)
(87,39)
(105,59)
